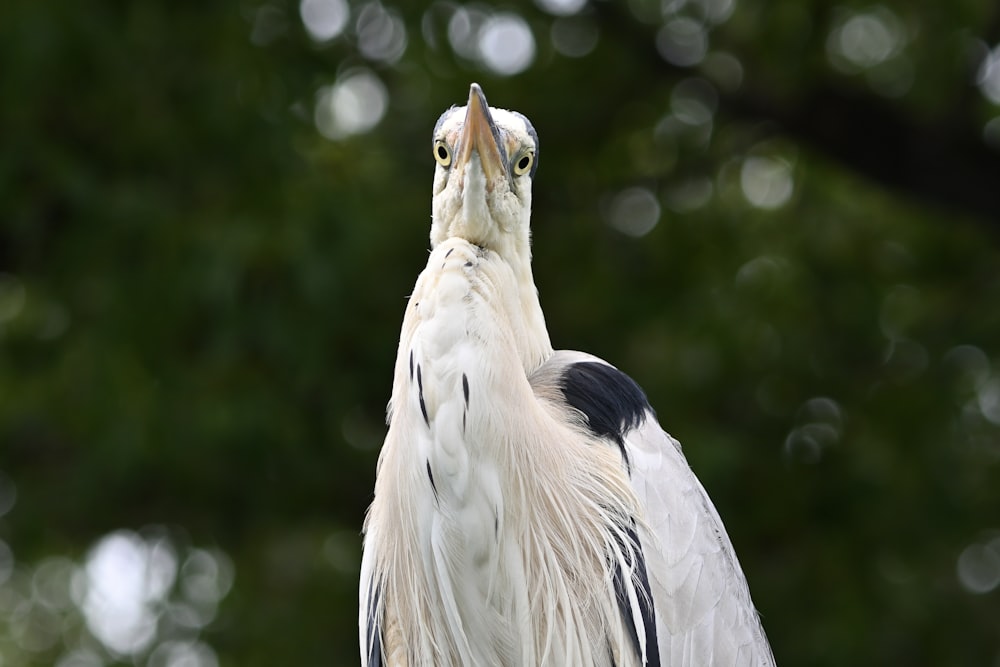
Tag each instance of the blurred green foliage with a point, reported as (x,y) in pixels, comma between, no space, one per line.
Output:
(200,294)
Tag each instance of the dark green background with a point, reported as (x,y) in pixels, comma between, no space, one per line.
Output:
(200,298)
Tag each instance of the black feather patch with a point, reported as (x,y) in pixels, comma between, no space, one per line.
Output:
(645,599)
(534,138)
(611,401)
(374,634)
(430,476)
(420,395)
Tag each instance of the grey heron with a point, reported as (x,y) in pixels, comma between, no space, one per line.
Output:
(529,509)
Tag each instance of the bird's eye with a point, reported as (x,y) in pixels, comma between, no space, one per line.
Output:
(442,153)
(523,164)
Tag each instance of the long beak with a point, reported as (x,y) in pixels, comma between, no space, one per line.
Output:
(480,134)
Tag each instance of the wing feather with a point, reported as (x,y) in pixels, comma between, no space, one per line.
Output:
(635,600)
(370,617)
(703,612)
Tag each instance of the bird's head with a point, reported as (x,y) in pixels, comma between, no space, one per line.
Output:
(485,159)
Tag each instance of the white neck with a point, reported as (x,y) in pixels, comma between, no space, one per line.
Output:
(535,346)
(499,226)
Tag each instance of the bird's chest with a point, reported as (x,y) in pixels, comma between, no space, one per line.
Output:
(453,403)
(465,481)
(469,576)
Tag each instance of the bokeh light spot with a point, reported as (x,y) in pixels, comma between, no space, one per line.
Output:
(761,275)
(12,298)
(634,211)
(126,601)
(766,182)
(81,657)
(353,105)
(463,31)
(8,493)
(34,627)
(506,44)
(360,431)
(822,410)
(6,562)
(682,41)
(126,580)
(206,577)
(901,308)
(381,33)
(978,567)
(724,69)
(269,23)
(988,75)
(694,101)
(561,7)
(689,195)
(801,447)
(969,366)
(51,582)
(991,132)
(574,36)
(716,11)
(989,400)
(183,654)
(820,422)
(324,19)
(865,39)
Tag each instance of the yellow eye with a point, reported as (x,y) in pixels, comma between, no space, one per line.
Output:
(523,164)
(442,153)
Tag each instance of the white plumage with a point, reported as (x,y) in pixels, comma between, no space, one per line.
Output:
(529,510)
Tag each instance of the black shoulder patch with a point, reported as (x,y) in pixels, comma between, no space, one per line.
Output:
(374,634)
(645,599)
(611,401)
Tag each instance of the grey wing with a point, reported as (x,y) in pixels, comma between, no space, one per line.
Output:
(704,613)
(689,570)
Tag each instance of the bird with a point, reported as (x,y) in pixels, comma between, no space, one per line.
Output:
(528,508)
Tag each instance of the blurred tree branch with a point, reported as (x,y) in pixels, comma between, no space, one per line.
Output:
(942,161)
